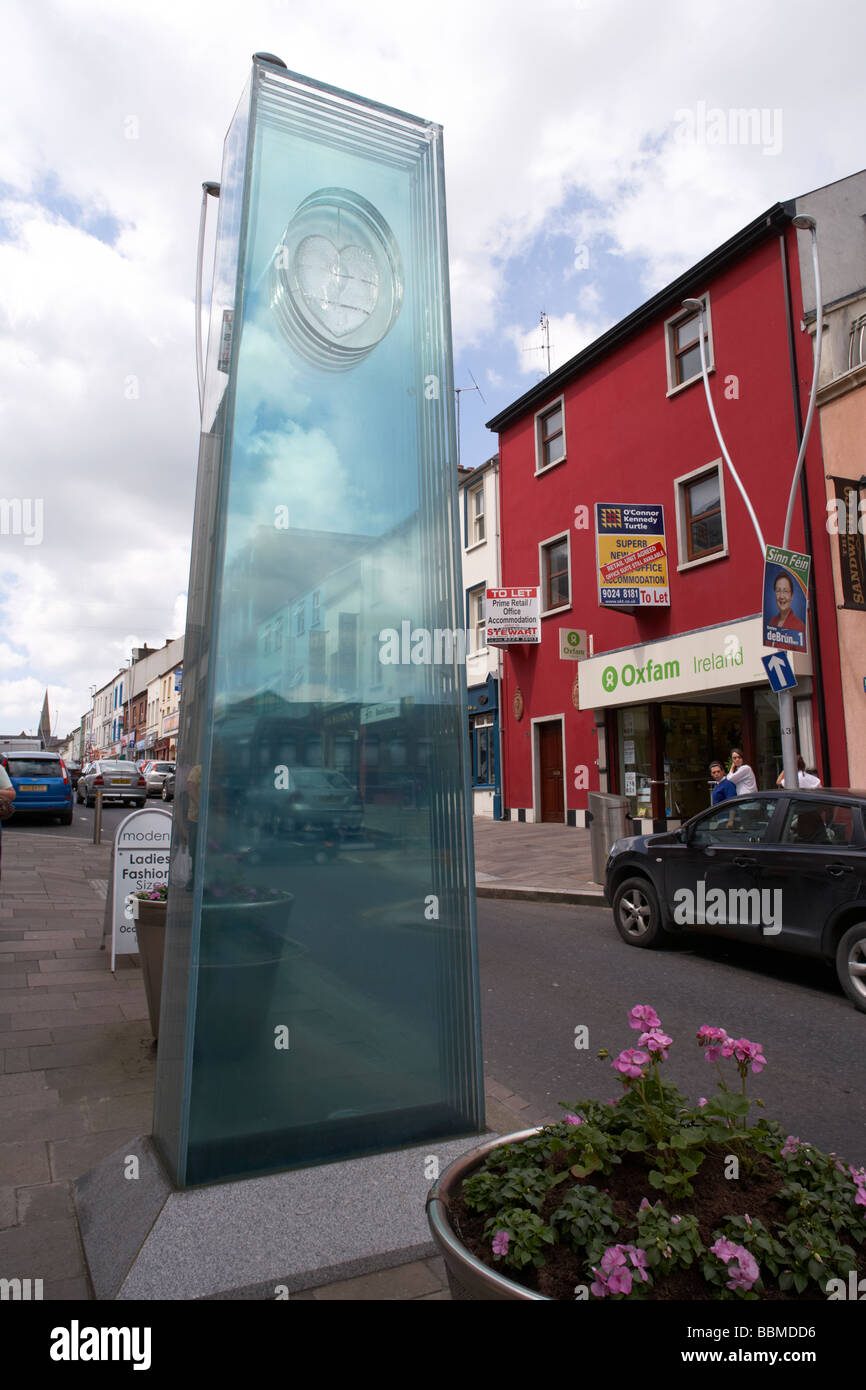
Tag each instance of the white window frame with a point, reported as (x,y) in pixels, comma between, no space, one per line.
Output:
(542,584)
(680,485)
(471,493)
(479,591)
(671,324)
(541,467)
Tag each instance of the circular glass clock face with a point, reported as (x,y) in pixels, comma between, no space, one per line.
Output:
(336,279)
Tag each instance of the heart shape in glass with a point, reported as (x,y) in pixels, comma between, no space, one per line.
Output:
(340,285)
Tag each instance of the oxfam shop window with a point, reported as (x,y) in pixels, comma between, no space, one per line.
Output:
(635,759)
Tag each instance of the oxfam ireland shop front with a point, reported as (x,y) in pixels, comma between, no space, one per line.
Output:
(663,711)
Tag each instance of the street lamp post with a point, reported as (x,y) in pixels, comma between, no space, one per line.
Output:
(786,699)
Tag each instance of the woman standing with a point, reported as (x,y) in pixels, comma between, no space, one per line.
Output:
(7,796)
(741,774)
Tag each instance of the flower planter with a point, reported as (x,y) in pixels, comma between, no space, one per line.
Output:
(243,946)
(150,930)
(468,1278)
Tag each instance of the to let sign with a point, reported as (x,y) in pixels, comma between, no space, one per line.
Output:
(512,616)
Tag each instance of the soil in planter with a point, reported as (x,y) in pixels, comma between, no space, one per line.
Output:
(714,1199)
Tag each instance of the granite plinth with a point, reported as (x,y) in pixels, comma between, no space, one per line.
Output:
(145,1239)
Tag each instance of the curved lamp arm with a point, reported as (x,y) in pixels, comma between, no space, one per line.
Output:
(214,190)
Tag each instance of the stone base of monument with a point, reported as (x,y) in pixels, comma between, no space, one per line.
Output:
(256,1238)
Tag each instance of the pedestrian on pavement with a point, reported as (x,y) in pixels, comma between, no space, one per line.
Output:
(741,774)
(723,789)
(7,796)
(806,779)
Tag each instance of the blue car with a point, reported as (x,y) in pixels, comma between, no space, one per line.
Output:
(42,784)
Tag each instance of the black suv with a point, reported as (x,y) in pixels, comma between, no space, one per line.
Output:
(779,868)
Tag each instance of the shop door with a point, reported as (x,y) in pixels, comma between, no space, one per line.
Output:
(550,772)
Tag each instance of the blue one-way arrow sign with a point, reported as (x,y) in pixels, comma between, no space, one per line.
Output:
(779,673)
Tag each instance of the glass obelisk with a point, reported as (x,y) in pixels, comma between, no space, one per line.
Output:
(320,995)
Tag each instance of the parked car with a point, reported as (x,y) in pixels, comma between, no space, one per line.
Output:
(314,799)
(168,787)
(782,869)
(155,775)
(42,784)
(118,780)
(74,770)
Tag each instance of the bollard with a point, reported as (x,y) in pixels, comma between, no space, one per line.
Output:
(97,819)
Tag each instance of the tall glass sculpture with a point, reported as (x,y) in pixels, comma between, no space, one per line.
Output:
(320,997)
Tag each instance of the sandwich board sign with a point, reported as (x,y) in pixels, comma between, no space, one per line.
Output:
(140,861)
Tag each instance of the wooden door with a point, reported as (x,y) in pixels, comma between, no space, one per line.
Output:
(550,772)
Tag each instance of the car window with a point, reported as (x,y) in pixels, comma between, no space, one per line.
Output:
(34,767)
(815,822)
(740,821)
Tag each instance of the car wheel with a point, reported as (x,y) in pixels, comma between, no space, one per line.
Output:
(636,913)
(164,797)
(851,965)
(66,818)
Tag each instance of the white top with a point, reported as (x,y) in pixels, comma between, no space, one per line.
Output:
(5,783)
(807,780)
(744,780)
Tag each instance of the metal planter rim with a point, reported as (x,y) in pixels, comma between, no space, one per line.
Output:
(451,1247)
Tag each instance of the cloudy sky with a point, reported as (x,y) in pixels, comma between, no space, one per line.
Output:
(583,173)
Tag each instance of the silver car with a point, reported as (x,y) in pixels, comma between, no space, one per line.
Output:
(118,781)
(155,775)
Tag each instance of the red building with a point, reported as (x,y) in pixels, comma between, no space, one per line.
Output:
(625,423)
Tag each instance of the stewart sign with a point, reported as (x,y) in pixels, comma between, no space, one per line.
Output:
(512,616)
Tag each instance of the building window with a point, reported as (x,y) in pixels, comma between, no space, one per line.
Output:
(278,634)
(550,436)
(475,500)
(701,530)
(477,618)
(554,578)
(683,348)
(482,750)
(317,607)
(299,620)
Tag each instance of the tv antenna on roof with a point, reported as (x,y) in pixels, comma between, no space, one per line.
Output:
(544,322)
(458,391)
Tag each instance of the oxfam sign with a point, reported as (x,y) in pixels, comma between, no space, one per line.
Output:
(639,675)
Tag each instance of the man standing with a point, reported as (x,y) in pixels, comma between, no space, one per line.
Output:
(723,790)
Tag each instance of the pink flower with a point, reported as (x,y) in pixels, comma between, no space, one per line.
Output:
(500,1243)
(644,1203)
(742,1269)
(631,1062)
(745,1053)
(573,1120)
(620,1280)
(656,1041)
(715,1036)
(643,1016)
(860,1199)
(748,1219)
(675,1220)
(702,1100)
(792,1144)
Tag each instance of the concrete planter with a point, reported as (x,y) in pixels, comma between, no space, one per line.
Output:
(150,930)
(243,946)
(467,1276)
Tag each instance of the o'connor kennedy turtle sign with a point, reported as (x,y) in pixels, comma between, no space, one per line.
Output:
(140,862)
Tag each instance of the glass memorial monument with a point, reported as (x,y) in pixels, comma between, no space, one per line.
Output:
(320,997)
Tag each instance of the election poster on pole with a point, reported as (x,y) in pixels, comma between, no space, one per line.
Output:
(786,599)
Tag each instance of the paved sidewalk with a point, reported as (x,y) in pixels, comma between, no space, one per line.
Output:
(77,1060)
(540,863)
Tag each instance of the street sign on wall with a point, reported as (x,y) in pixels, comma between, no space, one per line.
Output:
(786,599)
(632,556)
(572,644)
(512,616)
